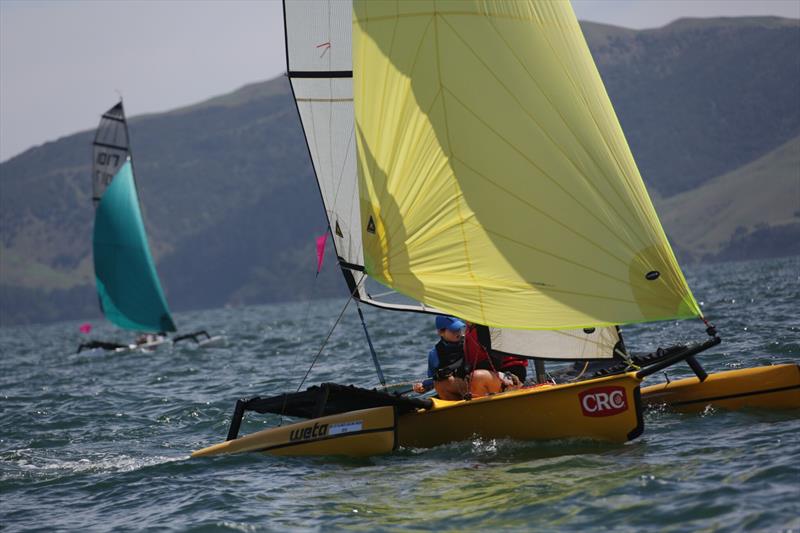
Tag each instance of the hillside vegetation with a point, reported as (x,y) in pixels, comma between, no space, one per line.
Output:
(762,194)
(700,97)
(709,107)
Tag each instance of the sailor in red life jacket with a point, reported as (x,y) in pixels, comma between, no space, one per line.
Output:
(449,371)
(475,351)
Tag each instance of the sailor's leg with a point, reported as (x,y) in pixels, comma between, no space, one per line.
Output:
(452,388)
(483,382)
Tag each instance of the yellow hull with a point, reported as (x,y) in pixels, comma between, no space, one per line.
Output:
(541,413)
(774,387)
(607,409)
(355,433)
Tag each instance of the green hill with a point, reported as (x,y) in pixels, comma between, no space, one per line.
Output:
(231,206)
(700,97)
(227,193)
(762,196)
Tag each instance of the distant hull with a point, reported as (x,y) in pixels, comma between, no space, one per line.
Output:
(147,347)
(100,347)
(606,409)
(215,341)
(772,387)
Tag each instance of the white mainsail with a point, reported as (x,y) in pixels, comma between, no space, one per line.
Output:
(319,65)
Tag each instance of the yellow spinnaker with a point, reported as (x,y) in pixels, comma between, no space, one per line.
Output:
(495,181)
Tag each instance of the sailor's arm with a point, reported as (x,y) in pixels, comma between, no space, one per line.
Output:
(423,386)
(433,364)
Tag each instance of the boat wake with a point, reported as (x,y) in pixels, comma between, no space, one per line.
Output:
(28,463)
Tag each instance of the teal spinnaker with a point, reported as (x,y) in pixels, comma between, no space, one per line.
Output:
(127,283)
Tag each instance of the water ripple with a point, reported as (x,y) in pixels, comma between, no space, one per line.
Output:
(101,442)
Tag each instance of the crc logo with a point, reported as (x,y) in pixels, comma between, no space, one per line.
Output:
(603,401)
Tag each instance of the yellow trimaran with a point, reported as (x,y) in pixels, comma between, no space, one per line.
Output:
(469,158)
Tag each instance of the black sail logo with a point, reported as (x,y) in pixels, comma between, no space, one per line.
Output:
(371,225)
(338,230)
(309,432)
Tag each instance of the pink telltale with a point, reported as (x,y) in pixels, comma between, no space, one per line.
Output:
(321,240)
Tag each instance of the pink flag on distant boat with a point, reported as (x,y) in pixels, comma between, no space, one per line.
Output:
(321,240)
(85,328)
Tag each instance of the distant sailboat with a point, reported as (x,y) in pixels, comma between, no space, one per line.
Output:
(128,289)
(470,159)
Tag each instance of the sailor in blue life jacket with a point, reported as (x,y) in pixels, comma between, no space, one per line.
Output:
(448,371)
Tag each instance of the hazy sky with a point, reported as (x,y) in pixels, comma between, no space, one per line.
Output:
(63,61)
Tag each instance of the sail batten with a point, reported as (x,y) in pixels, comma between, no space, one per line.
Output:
(494,178)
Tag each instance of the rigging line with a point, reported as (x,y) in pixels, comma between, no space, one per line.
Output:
(297,353)
(576,378)
(371,348)
(328,336)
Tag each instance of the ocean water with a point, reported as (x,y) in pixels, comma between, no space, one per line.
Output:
(102,442)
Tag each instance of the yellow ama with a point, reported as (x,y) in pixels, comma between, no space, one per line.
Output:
(495,181)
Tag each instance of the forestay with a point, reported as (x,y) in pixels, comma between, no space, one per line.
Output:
(495,181)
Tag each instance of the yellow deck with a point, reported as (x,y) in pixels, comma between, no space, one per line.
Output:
(774,387)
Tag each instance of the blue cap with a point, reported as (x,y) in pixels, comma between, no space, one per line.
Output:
(449,322)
